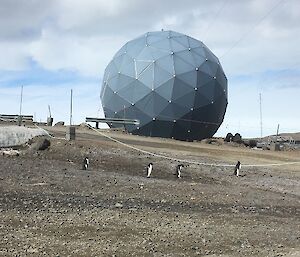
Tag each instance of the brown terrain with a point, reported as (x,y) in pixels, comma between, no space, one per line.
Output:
(49,206)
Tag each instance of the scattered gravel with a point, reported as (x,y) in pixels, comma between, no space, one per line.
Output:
(49,206)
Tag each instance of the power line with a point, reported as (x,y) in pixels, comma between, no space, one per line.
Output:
(252,28)
(215,17)
(177,159)
(190,161)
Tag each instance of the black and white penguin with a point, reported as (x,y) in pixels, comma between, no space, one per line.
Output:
(149,169)
(237,168)
(178,170)
(86,163)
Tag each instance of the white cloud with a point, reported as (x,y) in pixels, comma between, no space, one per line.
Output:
(76,16)
(88,56)
(14,56)
(23,20)
(82,36)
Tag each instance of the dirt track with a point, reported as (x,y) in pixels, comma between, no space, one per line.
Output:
(50,207)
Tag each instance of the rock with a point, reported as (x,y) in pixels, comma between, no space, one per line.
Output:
(10,152)
(252,143)
(237,138)
(32,250)
(40,144)
(228,137)
(212,141)
(60,123)
(84,125)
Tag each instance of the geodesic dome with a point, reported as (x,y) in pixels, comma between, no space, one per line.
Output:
(172,83)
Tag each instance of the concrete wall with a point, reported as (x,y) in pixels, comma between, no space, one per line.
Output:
(15,135)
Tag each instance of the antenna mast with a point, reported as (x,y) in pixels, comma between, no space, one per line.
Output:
(260,110)
(21,100)
(277,133)
(71,107)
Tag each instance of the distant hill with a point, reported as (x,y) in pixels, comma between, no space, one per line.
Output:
(282,137)
(295,136)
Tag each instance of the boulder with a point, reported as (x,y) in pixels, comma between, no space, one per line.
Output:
(228,137)
(10,152)
(237,138)
(40,144)
(60,123)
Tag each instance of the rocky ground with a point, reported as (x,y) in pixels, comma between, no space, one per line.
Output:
(49,206)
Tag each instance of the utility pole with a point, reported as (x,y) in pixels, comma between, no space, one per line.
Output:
(49,119)
(49,111)
(124,118)
(21,102)
(71,107)
(277,133)
(71,129)
(261,123)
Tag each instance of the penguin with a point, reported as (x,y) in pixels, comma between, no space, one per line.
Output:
(86,163)
(149,169)
(178,170)
(237,168)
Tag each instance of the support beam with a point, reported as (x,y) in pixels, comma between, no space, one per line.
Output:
(113,120)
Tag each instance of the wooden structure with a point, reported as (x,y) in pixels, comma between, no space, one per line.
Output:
(16,118)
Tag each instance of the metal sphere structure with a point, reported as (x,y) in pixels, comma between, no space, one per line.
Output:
(172,83)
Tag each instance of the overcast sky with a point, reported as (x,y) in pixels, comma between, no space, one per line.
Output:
(52,46)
